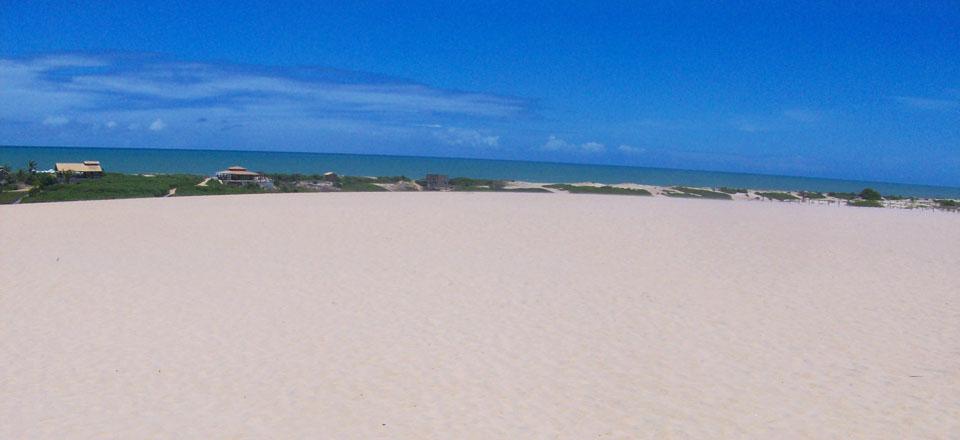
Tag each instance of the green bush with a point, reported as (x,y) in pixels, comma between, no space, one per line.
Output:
(842,195)
(812,195)
(585,189)
(947,203)
(781,196)
(732,190)
(8,197)
(111,186)
(215,187)
(870,194)
(696,193)
(468,184)
(865,203)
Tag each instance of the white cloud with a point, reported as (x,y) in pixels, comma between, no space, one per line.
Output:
(555,143)
(467,137)
(301,102)
(54,121)
(157,125)
(927,103)
(593,147)
(627,149)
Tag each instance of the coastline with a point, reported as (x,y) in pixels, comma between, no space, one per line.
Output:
(207,161)
(116,186)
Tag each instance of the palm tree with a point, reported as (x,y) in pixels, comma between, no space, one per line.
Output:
(32,166)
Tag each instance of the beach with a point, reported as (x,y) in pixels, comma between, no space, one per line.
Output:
(476,315)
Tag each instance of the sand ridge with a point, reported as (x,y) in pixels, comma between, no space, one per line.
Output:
(450,315)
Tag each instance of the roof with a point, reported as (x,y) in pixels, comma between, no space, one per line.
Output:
(237,170)
(88,166)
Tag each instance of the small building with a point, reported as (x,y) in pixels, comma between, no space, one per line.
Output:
(437,182)
(330,177)
(82,170)
(238,175)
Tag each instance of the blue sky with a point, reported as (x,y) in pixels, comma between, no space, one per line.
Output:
(860,90)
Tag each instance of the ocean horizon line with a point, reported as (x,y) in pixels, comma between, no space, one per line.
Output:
(519,161)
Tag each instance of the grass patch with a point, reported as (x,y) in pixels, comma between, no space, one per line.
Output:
(732,190)
(359,184)
(112,186)
(696,193)
(812,195)
(578,189)
(526,190)
(947,203)
(781,196)
(215,187)
(842,195)
(8,197)
(865,203)
(468,184)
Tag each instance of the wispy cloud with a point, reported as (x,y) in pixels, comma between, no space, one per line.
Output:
(628,149)
(147,94)
(467,137)
(557,144)
(157,125)
(927,103)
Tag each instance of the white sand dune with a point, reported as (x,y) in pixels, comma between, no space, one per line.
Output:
(450,315)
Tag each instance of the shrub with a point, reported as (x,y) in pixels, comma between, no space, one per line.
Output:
(586,189)
(696,193)
(781,196)
(842,195)
(947,203)
(865,203)
(870,194)
(732,190)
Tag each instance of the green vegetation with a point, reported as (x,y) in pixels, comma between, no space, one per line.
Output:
(732,190)
(358,184)
(468,184)
(215,187)
(577,189)
(8,197)
(842,195)
(947,203)
(111,186)
(870,194)
(781,196)
(812,195)
(525,190)
(696,193)
(865,203)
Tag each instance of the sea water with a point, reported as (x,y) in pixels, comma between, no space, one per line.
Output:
(208,162)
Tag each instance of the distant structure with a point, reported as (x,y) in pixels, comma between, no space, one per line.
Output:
(330,177)
(437,182)
(238,175)
(83,170)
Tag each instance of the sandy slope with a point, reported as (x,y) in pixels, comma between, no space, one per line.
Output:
(476,316)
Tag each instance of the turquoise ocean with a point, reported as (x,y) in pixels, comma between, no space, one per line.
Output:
(207,162)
